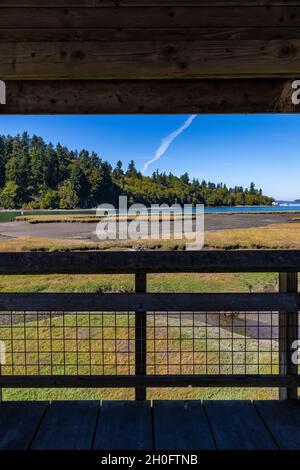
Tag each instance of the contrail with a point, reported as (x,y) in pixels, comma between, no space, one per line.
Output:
(166,141)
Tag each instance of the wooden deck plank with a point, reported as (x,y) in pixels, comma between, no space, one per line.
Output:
(236,425)
(177,425)
(283,420)
(19,422)
(68,425)
(181,425)
(124,425)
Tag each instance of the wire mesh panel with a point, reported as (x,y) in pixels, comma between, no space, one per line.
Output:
(83,343)
(213,343)
(101,343)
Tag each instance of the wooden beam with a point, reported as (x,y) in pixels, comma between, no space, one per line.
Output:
(288,335)
(150,59)
(141,335)
(125,262)
(129,381)
(128,3)
(149,96)
(143,302)
(165,35)
(150,16)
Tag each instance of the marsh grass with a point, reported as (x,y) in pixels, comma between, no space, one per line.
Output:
(177,282)
(93,218)
(285,236)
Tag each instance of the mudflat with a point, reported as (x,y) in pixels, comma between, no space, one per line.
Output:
(86,231)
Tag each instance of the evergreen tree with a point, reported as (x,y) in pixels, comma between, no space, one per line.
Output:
(39,175)
(2,162)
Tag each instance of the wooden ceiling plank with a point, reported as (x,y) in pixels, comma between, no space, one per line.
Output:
(145,34)
(149,59)
(149,96)
(128,3)
(154,17)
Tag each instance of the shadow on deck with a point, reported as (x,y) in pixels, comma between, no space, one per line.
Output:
(140,425)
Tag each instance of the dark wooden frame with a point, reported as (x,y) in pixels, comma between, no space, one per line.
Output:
(149,56)
(142,302)
(169,56)
(132,262)
(150,96)
(143,381)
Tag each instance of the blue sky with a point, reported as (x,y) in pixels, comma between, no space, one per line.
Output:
(233,149)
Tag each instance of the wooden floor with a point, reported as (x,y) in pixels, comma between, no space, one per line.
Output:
(162,425)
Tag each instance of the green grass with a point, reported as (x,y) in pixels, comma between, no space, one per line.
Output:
(240,282)
(68,344)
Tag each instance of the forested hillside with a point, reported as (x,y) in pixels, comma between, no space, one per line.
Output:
(34,174)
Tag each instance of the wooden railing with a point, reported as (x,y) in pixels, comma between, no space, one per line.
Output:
(286,302)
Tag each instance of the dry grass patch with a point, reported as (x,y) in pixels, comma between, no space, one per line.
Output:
(67,244)
(48,219)
(93,218)
(283,236)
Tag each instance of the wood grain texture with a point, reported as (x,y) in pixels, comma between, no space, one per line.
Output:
(181,425)
(124,425)
(126,3)
(126,39)
(19,422)
(68,425)
(149,96)
(283,421)
(151,302)
(130,381)
(147,34)
(140,326)
(236,425)
(288,334)
(150,59)
(130,425)
(150,16)
(126,262)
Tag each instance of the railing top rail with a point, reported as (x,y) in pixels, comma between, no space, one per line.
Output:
(150,302)
(127,262)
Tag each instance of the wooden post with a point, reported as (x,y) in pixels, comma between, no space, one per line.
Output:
(140,337)
(288,333)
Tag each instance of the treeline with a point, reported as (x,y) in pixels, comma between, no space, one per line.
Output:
(34,174)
